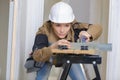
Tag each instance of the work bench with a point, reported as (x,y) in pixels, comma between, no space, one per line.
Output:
(62,58)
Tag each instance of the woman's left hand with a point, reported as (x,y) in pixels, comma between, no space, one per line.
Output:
(86,34)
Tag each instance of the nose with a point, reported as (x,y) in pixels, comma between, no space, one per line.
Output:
(62,29)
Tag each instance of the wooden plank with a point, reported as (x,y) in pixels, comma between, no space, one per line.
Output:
(69,51)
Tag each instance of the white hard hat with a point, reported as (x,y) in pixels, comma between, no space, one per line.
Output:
(61,13)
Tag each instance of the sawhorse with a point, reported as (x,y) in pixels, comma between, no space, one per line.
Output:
(68,59)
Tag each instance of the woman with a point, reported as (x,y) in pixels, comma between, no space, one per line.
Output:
(61,29)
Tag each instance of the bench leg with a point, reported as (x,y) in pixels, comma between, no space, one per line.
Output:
(66,70)
(96,71)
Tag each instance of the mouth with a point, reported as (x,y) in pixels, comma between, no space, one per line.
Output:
(62,34)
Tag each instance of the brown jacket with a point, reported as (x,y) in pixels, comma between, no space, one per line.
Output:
(43,53)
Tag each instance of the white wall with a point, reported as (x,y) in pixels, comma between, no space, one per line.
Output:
(81,9)
(4,16)
(28,16)
(32,19)
(113,61)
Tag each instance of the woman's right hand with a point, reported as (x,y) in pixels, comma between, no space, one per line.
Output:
(60,43)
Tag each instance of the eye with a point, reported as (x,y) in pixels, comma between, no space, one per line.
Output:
(58,25)
(67,25)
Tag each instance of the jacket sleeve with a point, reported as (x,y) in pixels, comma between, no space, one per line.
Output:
(41,49)
(94,30)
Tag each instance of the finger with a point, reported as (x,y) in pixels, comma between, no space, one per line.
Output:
(68,46)
(84,33)
(63,41)
(88,40)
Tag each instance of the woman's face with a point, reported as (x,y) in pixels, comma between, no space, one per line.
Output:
(61,29)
